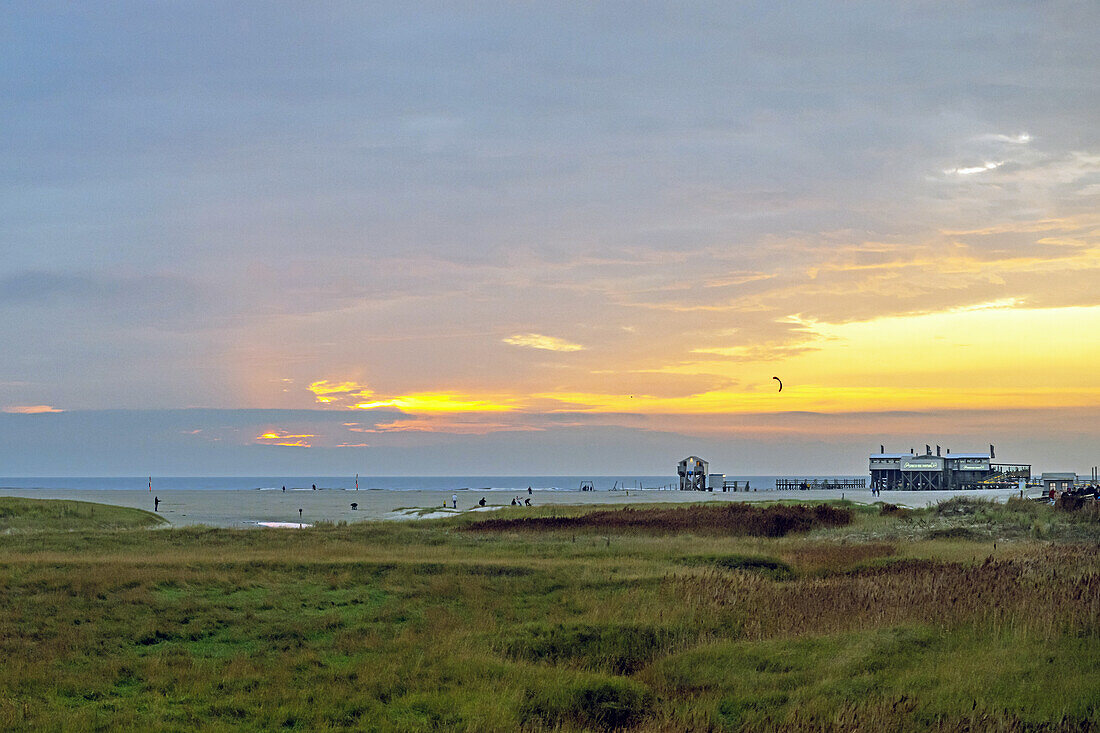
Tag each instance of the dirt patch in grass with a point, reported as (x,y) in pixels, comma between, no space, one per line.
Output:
(773,520)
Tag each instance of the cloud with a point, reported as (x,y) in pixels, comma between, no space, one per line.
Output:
(285,439)
(646,213)
(452,425)
(31,409)
(1022,138)
(326,392)
(971,170)
(538,341)
(755,352)
(433,402)
(353,395)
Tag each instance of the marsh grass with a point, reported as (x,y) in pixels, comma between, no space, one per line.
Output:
(428,626)
(615,648)
(768,567)
(741,518)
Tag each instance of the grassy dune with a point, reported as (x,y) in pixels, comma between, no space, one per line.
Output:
(39,515)
(897,620)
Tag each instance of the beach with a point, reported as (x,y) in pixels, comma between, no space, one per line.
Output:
(248,508)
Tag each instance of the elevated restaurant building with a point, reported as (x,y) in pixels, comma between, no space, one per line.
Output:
(935,472)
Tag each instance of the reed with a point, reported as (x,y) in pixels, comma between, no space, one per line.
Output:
(431,626)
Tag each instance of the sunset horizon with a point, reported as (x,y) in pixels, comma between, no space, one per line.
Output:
(580,237)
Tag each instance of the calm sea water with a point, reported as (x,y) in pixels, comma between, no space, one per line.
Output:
(388,483)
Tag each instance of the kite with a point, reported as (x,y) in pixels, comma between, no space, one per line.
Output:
(780,383)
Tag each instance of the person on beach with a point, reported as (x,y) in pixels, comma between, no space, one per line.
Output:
(299,514)
(156,503)
(481,502)
(314,487)
(527,502)
(528,490)
(454,501)
(513,501)
(284,489)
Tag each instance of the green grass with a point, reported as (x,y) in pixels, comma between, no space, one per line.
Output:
(933,678)
(41,515)
(418,626)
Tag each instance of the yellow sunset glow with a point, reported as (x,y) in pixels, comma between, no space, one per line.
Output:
(993,355)
(287,440)
(1029,352)
(430,402)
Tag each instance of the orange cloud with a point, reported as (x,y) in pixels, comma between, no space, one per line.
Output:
(31,409)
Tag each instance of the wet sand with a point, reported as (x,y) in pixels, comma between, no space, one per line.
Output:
(247,508)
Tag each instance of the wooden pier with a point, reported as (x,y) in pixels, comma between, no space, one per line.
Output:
(805,484)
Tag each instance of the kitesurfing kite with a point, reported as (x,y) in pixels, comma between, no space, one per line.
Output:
(780,383)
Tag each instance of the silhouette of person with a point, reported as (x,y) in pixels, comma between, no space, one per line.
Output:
(156,503)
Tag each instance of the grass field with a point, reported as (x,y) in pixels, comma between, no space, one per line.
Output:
(967,616)
(37,515)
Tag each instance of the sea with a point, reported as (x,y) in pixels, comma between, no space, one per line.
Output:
(380,483)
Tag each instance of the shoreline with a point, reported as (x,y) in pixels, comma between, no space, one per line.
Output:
(247,508)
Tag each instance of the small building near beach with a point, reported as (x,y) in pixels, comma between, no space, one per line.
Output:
(693,472)
(1059,481)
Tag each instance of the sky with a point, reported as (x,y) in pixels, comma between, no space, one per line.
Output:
(546,238)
